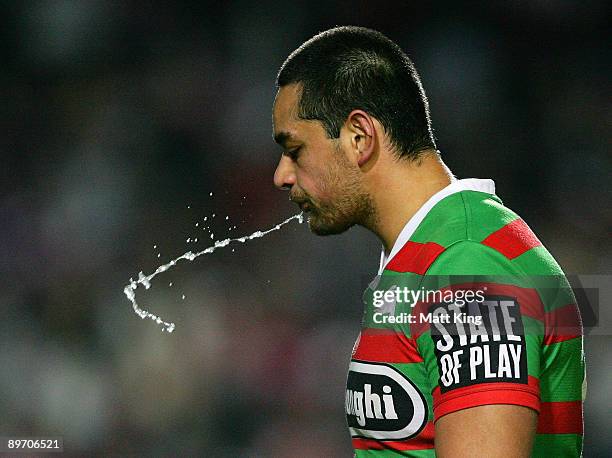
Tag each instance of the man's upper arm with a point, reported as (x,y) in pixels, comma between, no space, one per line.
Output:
(489,430)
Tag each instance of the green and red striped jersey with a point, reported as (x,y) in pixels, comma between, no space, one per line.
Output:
(468,309)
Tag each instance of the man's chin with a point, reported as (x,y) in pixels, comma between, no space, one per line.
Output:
(322,226)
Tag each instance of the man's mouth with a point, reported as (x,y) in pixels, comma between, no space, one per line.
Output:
(305,207)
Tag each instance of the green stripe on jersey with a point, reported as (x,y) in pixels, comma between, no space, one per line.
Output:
(467,215)
(557,445)
(562,371)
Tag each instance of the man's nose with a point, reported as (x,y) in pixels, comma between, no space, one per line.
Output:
(284,176)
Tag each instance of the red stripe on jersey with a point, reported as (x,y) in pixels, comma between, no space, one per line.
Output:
(562,324)
(528,299)
(485,394)
(424,440)
(560,418)
(386,345)
(415,257)
(513,239)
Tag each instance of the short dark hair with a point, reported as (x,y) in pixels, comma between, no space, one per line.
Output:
(348,68)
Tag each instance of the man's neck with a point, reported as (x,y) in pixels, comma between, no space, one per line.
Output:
(400,188)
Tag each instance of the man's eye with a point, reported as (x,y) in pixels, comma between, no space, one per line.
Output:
(294,153)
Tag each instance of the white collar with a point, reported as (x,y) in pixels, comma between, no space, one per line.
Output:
(467,184)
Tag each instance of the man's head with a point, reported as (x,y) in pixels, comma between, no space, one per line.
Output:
(343,95)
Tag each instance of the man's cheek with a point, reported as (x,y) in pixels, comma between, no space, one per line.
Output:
(311,189)
(320,191)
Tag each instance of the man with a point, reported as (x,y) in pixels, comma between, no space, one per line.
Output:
(486,374)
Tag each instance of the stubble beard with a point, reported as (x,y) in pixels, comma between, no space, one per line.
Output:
(352,205)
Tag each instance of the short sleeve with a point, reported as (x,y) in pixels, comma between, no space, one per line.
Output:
(479,331)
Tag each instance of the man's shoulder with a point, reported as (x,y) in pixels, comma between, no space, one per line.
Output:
(472,224)
(463,216)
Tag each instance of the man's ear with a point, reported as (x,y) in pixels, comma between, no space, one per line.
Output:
(360,126)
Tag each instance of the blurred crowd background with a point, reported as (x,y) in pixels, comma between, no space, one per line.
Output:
(119,118)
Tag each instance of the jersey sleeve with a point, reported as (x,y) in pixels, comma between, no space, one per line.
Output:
(479,333)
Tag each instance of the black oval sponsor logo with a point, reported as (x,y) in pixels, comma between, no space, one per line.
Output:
(381,403)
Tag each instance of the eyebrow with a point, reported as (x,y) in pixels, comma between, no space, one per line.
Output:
(282,137)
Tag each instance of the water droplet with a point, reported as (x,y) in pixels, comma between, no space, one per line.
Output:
(170,284)
(197,224)
(143,280)
(211,194)
(226,218)
(183,297)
